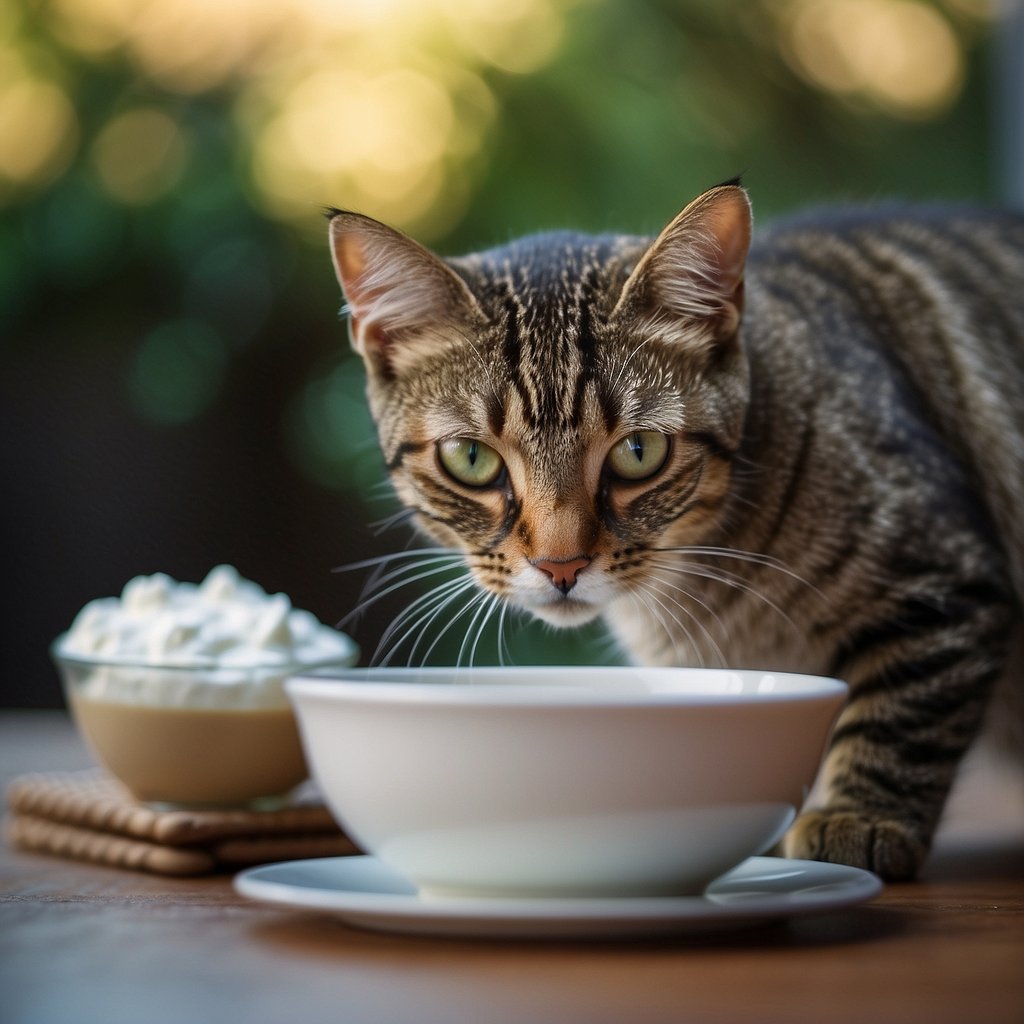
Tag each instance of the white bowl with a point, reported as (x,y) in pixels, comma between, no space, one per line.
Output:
(564,781)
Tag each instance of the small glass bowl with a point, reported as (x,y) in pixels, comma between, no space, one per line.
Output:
(190,736)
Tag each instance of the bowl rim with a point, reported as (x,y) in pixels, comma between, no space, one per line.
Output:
(425,686)
(283,668)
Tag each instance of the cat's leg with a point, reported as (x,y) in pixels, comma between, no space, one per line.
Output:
(919,685)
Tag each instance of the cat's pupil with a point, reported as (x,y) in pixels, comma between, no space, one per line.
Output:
(636,446)
(472,454)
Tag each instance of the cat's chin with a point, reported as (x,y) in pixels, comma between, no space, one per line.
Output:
(565,614)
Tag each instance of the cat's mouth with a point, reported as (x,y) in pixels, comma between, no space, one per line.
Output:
(561,592)
(564,611)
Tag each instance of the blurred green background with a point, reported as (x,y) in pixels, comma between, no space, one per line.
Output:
(176,390)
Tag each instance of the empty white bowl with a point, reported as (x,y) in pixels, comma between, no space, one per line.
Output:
(564,781)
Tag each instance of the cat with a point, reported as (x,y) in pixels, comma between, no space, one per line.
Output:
(803,453)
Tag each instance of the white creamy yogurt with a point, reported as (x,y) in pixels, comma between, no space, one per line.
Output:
(245,640)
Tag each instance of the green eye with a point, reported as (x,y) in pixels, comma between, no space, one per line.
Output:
(638,455)
(470,462)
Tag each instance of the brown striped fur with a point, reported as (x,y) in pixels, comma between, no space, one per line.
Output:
(844,490)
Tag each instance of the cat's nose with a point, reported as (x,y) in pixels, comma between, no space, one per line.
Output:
(563,573)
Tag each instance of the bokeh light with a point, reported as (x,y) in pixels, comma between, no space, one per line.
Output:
(38,128)
(139,155)
(177,371)
(378,105)
(901,55)
(331,434)
(389,106)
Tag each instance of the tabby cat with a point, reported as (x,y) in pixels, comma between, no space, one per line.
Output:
(805,454)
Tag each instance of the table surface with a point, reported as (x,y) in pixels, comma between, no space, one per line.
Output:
(82,943)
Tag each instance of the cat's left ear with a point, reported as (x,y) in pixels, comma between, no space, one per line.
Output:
(688,286)
(404,302)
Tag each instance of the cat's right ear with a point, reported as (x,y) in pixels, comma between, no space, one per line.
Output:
(404,303)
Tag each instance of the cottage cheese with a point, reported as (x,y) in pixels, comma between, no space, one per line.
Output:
(245,641)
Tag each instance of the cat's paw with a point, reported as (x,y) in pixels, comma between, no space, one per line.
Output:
(884,846)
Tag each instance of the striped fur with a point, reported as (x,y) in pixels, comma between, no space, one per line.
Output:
(845,481)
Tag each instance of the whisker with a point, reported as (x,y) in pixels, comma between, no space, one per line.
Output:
(469,629)
(641,597)
(626,362)
(367,563)
(381,578)
(751,557)
(419,616)
(380,594)
(479,597)
(420,608)
(688,594)
(399,518)
(694,646)
(482,615)
(381,490)
(502,649)
(437,639)
(496,603)
(416,557)
(726,578)
(716,649)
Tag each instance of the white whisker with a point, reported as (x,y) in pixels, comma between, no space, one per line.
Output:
(691,596)
(626,362)
(502,649)
(693,645)
(641,597)
(471,341)
(399,518)
(436,563)
(469,628)
(427,620)
(382,490)
(726,578)
(419,611)
(420,621)
(496,604)
(379,594)
(751,557)
(482,615)
(477,598)
(717,651)
(367,563)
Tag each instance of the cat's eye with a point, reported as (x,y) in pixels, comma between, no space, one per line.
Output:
(470,461)
(638,455)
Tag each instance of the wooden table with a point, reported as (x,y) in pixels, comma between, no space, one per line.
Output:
(80,944)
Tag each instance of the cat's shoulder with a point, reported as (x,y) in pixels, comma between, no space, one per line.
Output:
(850,221)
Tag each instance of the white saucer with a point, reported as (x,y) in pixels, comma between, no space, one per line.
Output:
(366,893)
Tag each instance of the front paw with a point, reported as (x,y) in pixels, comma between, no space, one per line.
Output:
(884,846)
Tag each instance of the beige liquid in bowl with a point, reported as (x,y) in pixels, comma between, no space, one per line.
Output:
(195,756)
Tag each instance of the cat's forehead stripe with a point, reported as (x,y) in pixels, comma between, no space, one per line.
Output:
(548,345)
(547,298)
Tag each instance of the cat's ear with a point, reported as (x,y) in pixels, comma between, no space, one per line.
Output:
(688,286)
(403,301)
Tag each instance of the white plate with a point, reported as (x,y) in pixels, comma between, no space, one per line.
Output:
(366,893)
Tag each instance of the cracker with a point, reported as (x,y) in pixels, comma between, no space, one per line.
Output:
(90,816)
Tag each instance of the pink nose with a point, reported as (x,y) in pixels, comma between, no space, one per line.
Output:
(563,573)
